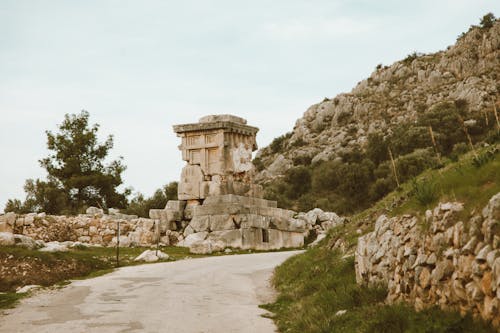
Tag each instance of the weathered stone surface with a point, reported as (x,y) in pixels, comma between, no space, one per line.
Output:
(200,223)
(7,239)
(25,241)
(221,222)
(442,266)
(219,158)
(94,211)
(151,256)
(192,238)
(231,238)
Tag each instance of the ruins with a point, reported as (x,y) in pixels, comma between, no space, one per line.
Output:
(219,205)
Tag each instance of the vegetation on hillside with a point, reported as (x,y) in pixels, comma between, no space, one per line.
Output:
(314,286)
(364,175)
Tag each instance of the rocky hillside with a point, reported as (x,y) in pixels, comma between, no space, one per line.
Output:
(467,74)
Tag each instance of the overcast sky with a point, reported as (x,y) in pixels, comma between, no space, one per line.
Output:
(140,67)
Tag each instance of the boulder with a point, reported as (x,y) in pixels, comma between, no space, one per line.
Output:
(151,256)
(54,247)
(94,211)
(7,239)
(28,288)
(192,238)
(25,241)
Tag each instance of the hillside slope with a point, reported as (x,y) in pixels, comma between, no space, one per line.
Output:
(468,70)
(393,108)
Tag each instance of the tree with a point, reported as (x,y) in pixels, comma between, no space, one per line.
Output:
(139,205)
(487,21)
(77,174)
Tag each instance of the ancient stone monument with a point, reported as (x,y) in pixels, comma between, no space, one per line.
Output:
(218,152)
(219,205)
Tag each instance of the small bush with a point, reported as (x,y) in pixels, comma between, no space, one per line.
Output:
(485,157)
(424,191)
(278,144)
(487,21)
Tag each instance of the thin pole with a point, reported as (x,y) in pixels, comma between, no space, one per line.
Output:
(496,115)
(118,244)
(393,166)
(434,144)
(157,237)
(467,135)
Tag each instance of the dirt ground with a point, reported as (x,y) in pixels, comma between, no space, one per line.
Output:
(18,270)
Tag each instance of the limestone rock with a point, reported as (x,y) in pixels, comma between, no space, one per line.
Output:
(151,256)
(7,239)
(54,247)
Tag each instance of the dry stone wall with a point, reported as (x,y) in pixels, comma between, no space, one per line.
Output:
(91,228)
(454,264)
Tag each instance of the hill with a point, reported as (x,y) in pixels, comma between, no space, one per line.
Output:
(421,109)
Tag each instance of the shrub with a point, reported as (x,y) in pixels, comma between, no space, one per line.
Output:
(424,191)
(484,157)
(259,165)
(487,21)
(278,143)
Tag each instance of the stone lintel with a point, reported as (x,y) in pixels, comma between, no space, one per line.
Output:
(245,200)
(227,126)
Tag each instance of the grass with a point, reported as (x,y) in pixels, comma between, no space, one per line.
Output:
(9,299)
(315,285)
(465,181)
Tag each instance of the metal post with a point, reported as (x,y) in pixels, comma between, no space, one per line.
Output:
(158,232)
(118,244)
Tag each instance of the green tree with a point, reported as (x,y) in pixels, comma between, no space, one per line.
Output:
(139,205)
(77,174)
(487,21)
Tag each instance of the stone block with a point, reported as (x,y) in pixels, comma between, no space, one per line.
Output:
(221,208)
(200,223)
(244,200)
(94,211)
(293,239)
(231,238)
(155,214)
(192,238)
(251,238)
(177,205)
(9,218)
(4,227)
(221,222)
(254,221)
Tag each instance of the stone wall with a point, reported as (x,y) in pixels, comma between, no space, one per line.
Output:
(443,261)
(92,228)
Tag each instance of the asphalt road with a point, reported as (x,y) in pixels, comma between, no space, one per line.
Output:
(214,294)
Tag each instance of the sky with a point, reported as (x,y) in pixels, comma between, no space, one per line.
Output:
(139,67)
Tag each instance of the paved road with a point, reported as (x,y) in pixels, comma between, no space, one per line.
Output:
(215,294)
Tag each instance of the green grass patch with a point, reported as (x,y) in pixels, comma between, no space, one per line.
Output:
(9,299)
(315,285)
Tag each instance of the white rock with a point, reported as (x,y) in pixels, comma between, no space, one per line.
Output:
(340,312)
(94,211)
(151,256)
(27,288)
(317,240)
(192,238)
(7,239)
(54,247)
(25,241)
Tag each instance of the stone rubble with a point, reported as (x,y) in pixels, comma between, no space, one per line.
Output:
(454,264)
